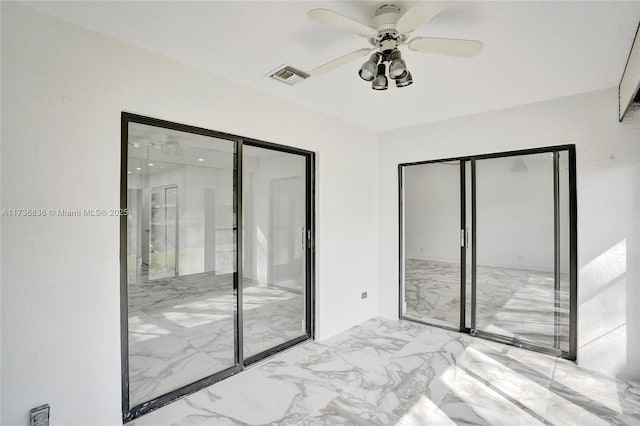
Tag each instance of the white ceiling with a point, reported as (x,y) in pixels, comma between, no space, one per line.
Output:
(533,51)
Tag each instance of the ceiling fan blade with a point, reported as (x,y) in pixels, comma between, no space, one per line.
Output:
(419,13)
(446,46)
(329,17)
(342,60)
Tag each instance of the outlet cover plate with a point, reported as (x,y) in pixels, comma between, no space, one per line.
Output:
(39,416)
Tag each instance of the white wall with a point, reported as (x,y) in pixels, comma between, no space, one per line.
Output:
(63,91)
(1,274)
(608,181)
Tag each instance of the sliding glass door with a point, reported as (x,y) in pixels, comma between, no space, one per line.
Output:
(207,286)
(488,246)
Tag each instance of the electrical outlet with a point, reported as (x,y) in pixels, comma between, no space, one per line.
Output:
(39,416)
(364,294)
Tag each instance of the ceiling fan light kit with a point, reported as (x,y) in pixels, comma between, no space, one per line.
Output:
(377,72)
(388,30)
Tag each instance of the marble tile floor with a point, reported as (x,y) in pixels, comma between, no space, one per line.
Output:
(390,372)
(512,302)
(182,329)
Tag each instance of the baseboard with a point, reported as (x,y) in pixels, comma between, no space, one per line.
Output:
(420,256)
(490,263)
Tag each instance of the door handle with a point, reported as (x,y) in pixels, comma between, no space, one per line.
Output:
(462,238)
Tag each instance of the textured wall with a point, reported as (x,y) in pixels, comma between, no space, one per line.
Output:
(63,89)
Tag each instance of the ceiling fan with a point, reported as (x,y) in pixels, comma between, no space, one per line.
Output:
(388,30)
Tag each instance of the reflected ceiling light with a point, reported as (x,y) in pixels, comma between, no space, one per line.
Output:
(129,172)
(151,164)
(380,82)
(200,159)
(368,69)
(405,80)
(519,166)
(397,67)
(168,144)
(138,168)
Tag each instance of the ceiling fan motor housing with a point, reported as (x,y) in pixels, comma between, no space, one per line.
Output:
(385,21)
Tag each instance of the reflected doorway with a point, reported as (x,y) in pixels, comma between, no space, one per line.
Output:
(163,233)
(289,233)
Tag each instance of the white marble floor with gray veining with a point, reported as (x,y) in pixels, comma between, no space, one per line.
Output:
(181,329)
(390,372)
(515,303)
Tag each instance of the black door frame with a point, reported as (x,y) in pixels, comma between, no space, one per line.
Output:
(571,354)
(240,362)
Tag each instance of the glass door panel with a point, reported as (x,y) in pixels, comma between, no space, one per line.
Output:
(431,243)
(275,266)
(181,303)
(516,291)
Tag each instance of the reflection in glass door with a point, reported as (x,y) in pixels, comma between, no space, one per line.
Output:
(275,246)
(516,292)
(208,287)
(180,320)
(488,246)
(163,233)
(287,223)
(432,240)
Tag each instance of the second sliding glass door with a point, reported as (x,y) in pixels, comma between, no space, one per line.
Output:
(488,247)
